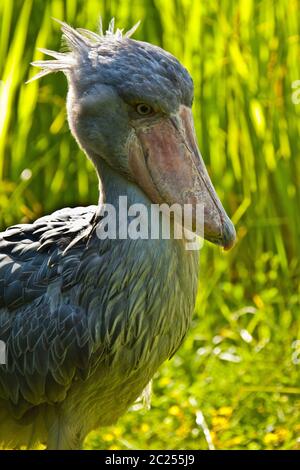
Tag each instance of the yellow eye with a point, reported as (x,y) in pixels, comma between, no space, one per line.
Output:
(143,109)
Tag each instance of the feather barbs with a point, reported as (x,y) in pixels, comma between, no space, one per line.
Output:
(79,42)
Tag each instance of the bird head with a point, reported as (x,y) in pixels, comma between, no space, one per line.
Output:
(129,104)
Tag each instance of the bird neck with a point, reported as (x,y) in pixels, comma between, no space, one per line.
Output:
(113,184)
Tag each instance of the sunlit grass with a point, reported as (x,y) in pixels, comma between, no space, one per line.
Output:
(239,365)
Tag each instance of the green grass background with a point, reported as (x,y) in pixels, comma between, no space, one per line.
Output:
(235,382)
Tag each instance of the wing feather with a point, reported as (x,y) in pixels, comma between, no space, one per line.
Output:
(48,342)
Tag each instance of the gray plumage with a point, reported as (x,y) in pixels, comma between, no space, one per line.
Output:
(85,327)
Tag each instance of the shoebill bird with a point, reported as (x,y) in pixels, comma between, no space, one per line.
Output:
(87,321)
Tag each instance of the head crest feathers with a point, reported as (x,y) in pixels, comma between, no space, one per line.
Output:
(79,42)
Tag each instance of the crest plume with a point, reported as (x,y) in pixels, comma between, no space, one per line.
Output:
(79,42)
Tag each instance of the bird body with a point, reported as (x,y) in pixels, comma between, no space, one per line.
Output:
(87,321)
(86,326)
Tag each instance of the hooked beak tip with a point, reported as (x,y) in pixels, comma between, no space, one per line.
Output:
(229,234)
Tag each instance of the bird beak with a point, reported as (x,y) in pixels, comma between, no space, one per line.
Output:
(167,165)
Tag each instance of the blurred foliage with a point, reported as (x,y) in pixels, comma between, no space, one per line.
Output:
(235,382)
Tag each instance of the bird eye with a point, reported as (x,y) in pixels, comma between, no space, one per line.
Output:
(143,109)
